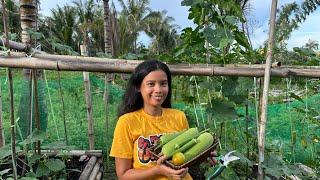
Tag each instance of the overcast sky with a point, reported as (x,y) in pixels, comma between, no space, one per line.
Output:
(259,16)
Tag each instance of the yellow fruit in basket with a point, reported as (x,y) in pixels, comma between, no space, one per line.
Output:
(178,159)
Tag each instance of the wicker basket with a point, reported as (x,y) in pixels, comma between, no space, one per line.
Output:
(199,158)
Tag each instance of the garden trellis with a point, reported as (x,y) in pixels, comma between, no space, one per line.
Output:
(40,60)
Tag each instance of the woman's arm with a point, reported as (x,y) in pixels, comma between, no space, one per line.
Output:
(125,171)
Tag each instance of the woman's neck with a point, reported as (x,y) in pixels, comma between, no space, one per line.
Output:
(153,111)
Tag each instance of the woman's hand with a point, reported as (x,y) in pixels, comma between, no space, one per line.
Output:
(169,172)
(212,158)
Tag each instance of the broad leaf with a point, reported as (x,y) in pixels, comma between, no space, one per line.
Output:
(42,170)
(55,165)
(242,39)
(222,110)
(34,158)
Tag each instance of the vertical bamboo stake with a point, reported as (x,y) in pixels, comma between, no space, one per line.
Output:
(2,139)
(13,137)
(106,102)
(36,106)
(63,109)
(264,101)
(5,26)
(108,49)
(86,80)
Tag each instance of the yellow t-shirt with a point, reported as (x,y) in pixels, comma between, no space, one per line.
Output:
(137,131)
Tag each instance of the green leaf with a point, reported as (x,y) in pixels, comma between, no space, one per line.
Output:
(31,175)
(209,34)
(222,110)
(191,2)
(42,170)
(55,165)
(5,151)
(293,95)
(28,178)
(230,20)
(34,137)
(242,39)
(225,42)
(34,158)
(5,171)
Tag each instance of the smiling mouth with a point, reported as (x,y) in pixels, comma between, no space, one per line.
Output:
(158,97)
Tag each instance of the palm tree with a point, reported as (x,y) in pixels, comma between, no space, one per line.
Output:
(312,45)
(63,25)
(135,14)
(85,11)
(13,17)
(164,33)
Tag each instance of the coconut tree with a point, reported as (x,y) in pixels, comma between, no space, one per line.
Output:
(164,33)
(312,45)
(107,28)
(63,24)
(135,14)
(85,11)
(13,17)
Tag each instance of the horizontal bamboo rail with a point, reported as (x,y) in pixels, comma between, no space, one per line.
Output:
(94,64)
(74,153)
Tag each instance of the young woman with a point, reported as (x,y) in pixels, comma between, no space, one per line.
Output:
(144,116)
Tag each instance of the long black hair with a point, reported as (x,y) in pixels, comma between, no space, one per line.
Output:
(132,100)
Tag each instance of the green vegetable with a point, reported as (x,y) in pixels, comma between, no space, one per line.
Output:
(170,148)
(164,139)
(204,141)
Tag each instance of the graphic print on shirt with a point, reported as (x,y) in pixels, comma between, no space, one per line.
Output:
(144,143)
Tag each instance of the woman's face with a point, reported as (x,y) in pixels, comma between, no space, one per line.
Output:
(154,89)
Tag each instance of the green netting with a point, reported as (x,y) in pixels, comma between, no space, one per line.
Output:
(26,103)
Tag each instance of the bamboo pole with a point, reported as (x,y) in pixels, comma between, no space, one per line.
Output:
(63,109)
(88,169)
(176,69)
(36,106)
(87,90)
(2,139)
(95,170)
(9,73)
(99,175)
(106,102)
(264,101)
(74,153)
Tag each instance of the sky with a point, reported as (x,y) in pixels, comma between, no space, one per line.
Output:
(259,13)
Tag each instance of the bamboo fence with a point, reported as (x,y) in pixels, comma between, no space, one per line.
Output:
(94,64)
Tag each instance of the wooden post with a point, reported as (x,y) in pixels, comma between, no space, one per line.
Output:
(2,139)
(87,89)
(264,101)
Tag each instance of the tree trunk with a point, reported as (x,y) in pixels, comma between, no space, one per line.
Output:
(107,29)
(28,16)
